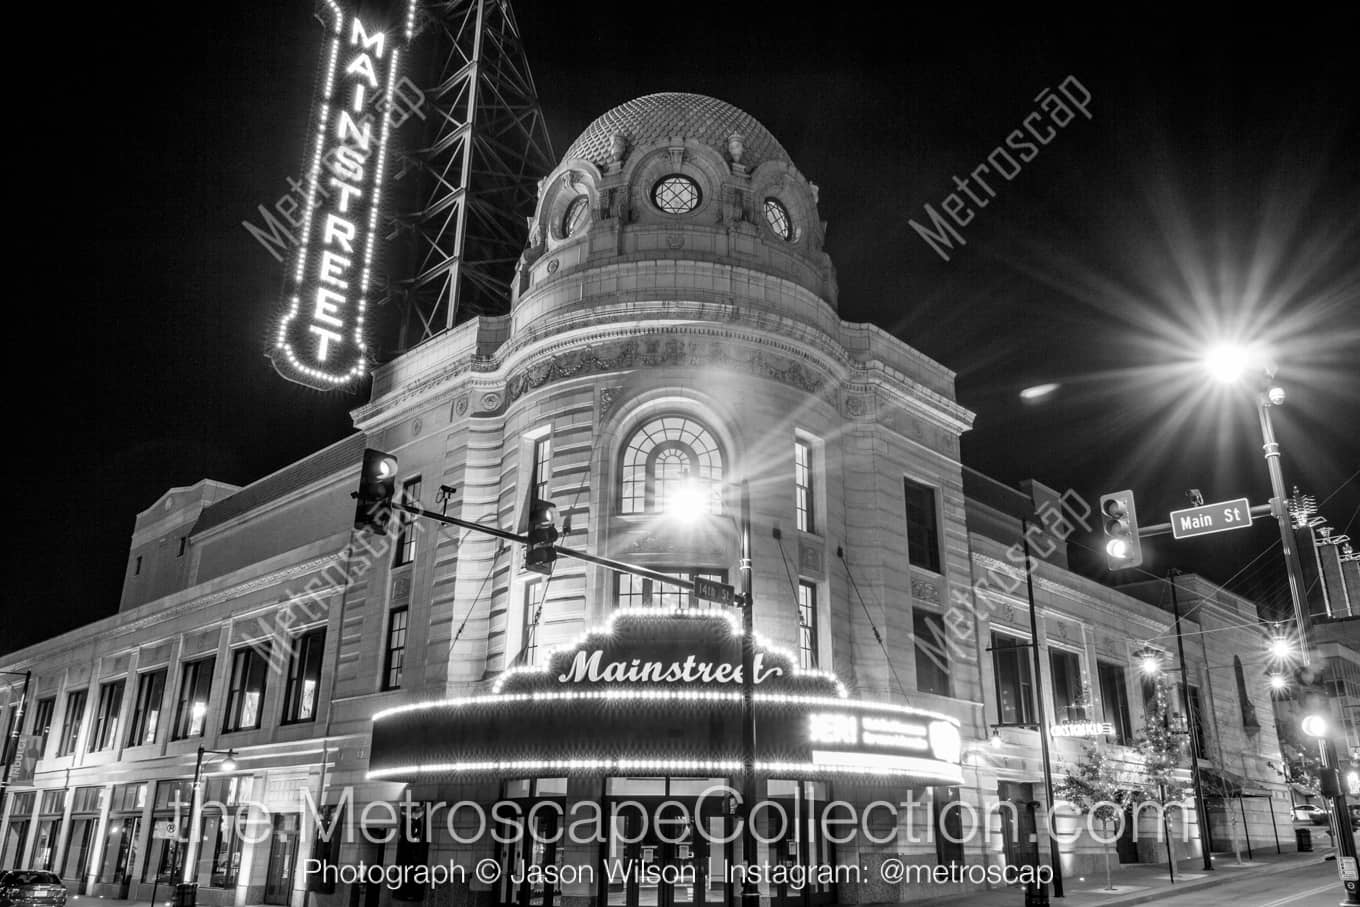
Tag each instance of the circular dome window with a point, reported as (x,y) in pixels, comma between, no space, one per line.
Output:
(777,216)
(676,194)
(575,215)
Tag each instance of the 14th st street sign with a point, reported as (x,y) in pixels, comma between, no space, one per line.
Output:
(1210,518)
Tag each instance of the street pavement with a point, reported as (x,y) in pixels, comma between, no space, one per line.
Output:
(1288,880)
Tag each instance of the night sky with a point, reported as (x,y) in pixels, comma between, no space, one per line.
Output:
(1215,190)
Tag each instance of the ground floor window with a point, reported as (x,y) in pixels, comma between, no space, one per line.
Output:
(75,865)
(45,844)
(534,844)
(120,850)
(221,845)
(16,836)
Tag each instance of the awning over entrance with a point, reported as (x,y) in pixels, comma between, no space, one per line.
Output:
(661,692)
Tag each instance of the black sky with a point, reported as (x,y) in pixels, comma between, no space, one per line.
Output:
(1217,182)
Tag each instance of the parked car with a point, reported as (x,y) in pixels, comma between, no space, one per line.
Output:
(26,887)
(1309,814)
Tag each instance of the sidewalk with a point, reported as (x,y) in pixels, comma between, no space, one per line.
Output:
(1140,883)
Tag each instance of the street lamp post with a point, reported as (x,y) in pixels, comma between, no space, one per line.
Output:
(689,503)
(1227,363)
(750,891)
(1347,865)
(9,748)
(186,895)
(1273,396)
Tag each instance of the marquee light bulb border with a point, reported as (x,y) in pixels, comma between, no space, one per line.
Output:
(823,763)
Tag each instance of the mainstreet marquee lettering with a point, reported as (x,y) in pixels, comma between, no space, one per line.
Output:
(321,337)
(593,668)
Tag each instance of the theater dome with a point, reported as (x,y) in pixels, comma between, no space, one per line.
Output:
(657,117)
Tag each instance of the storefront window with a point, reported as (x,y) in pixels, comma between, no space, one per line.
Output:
(120,850)
(16,831)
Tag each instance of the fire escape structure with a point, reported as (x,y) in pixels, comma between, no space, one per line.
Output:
(466,179)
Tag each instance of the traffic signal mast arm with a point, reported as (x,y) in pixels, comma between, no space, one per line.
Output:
(621,566)
(1165,528)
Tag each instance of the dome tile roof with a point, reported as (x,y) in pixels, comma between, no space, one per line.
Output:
(656,117)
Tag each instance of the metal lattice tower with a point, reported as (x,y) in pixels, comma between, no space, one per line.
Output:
(467,180)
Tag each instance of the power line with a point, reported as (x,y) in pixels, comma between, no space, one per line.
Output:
(840,553)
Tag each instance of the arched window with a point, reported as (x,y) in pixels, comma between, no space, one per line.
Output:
(669,456)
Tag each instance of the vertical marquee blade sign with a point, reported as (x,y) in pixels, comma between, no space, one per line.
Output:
(320,341)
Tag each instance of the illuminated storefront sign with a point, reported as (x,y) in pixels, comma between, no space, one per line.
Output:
(592,667)
(662,692)
(1082,729)
(320,341)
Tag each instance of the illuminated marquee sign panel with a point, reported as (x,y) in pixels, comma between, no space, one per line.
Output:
(663,693)
(320,339)
(1081,729)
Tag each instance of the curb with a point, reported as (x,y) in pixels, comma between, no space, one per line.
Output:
(1144,897)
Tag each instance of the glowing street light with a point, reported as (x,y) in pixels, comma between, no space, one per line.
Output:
(1278,681)
(1227,362)
(688,502)
(1149,662)
(1281,648)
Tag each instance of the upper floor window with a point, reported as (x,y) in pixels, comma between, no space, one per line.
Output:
(42,720)
(1114,700)
(406,535)
(672,460)
(644,592)
(1069,699)
(932,653)
(802,486)
(106,716)
(777,216)
(304,676)
(195,688)
(146,714)
(183,544)
(395,658)
(575,215)
(532,615)
(1014,680)
(245,691)
(70,729)
(676,194)
(807,624)
(923,531)
(137,566)
(541,468)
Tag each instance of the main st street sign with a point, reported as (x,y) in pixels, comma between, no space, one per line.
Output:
(1210,518)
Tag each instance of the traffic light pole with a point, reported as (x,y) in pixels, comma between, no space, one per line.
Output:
(1271,450)
(621,566)
(1347,864)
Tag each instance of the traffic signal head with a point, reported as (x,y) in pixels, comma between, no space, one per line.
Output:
(1120,521)
(542,536)
(377,485)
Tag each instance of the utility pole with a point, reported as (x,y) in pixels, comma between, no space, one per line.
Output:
(1192,723)
(9,748)
(1054,855)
